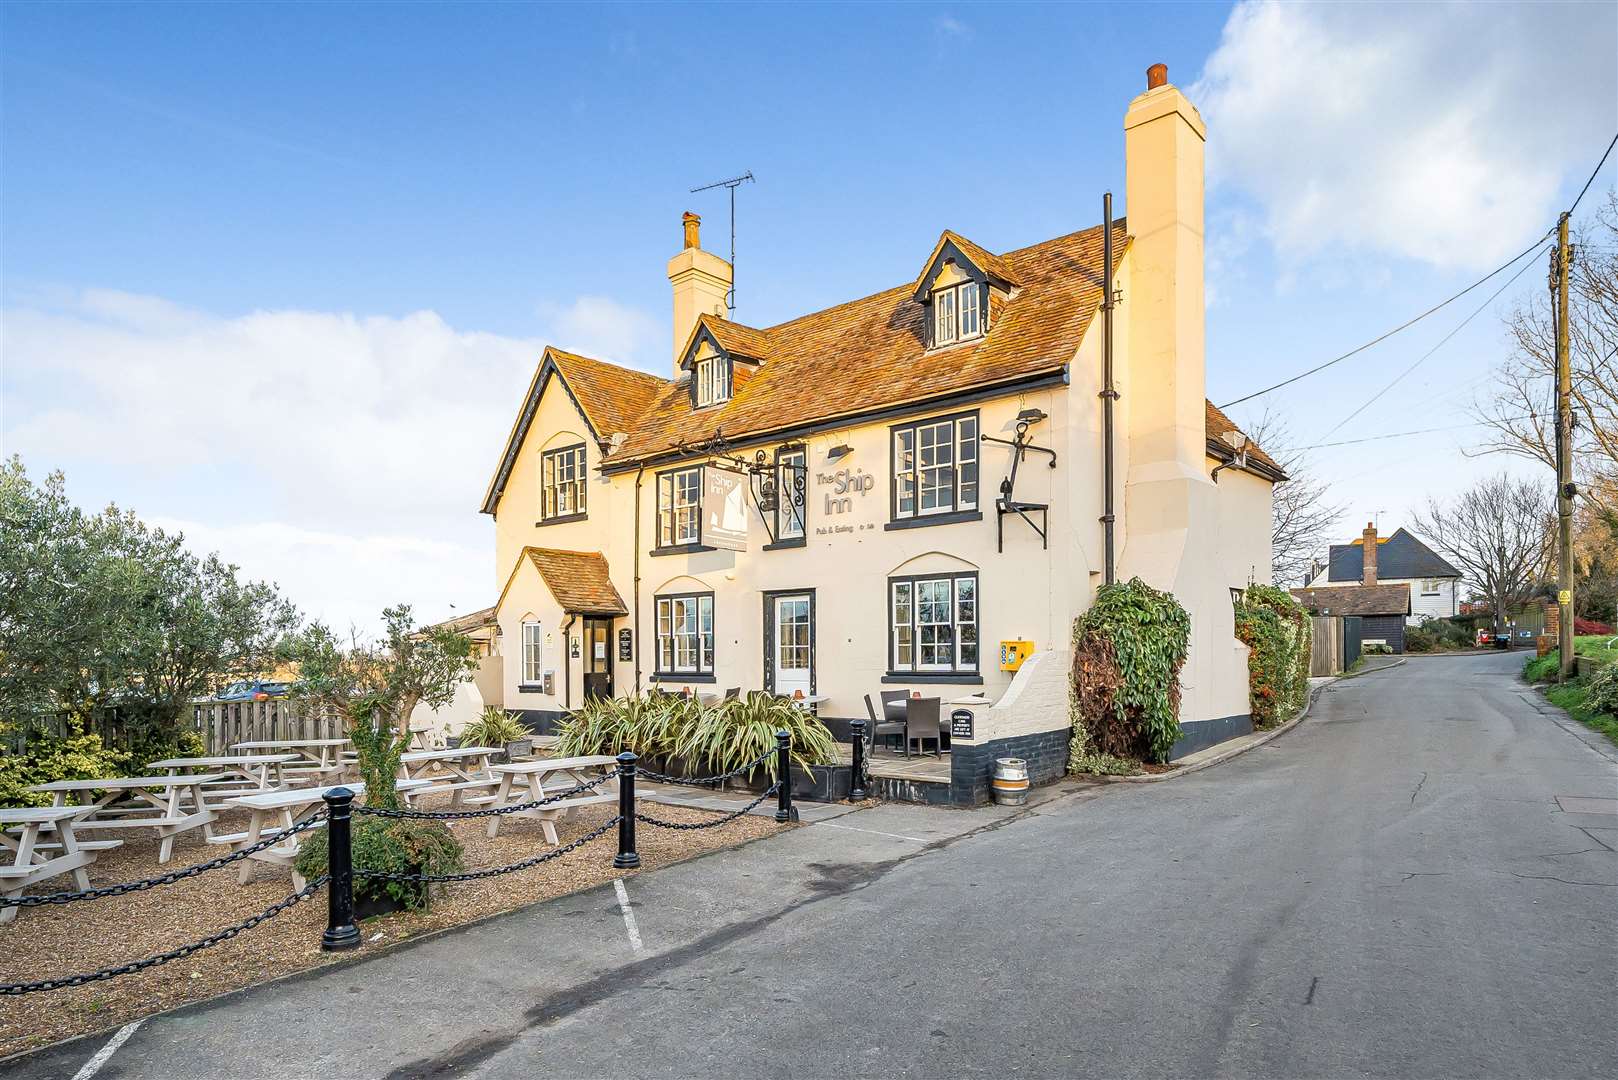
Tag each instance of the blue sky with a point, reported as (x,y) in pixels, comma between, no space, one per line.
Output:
(277,274)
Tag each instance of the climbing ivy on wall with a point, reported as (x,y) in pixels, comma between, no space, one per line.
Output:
(1125,694)
(1277,631)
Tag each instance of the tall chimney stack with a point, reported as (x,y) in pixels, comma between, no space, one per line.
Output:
(1368,541)
(701,282)
(1163,294)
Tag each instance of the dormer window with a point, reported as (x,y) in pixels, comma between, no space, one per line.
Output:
(957,313)
(711,379)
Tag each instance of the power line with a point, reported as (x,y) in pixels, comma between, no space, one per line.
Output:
(1592,179)
(1402,326)
(1426,355)
(1420,431)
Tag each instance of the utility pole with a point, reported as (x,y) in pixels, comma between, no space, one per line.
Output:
(1564,459)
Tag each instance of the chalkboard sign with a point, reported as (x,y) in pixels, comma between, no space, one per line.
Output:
(626,644)
(960,724)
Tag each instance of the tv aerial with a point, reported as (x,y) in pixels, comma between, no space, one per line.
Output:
(732,184)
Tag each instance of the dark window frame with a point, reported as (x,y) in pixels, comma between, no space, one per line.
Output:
(661,673)
(786,450)
(917,673)
(955,512)
(582,511)
(674,543)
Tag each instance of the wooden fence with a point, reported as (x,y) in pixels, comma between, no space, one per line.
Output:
(223,724)
(1326,649)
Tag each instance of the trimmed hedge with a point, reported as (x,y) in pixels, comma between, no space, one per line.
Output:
(1276,629)
(1125,692)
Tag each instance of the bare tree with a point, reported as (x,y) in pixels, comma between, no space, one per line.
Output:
(1500,534)
(1302,517)
(1521,410)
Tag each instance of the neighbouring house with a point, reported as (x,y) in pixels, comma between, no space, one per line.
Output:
(1399,559)
(471,697)
(1382,610)
(904,491)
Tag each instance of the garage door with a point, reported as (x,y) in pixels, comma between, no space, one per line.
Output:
(1388,628)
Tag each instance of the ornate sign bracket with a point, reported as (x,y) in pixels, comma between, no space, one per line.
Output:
(762,476)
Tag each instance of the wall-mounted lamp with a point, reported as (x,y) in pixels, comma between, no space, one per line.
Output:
(1031,416)
(1236,595)
(1238,444)
(841,450)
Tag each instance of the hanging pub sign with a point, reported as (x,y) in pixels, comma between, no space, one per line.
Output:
(626,643)
(960,724)
(724,509)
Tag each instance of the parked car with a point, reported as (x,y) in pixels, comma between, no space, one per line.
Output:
(253,690)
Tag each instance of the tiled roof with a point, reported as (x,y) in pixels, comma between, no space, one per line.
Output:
(1356,599)
(465,624)
(996,266)
(579,580)
(1218,424)
(613,397)
(736,339)
(870,353)
(1398,556)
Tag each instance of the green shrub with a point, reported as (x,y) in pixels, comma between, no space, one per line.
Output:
(1603,686)
(494,726)
(710,738)
(1543,668)
(388,845)
(47,758)
(1437,635)
(1124,700)
(1276,630)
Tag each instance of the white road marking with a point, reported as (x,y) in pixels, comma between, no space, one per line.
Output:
(629,916)
(873,832)
(103,1055)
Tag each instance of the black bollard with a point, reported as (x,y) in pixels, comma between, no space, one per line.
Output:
(856,789)
(627,858)
(783,775)
(340,933)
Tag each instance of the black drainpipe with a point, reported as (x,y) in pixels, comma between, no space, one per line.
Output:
(567,662)
(1108,393)
(634,614)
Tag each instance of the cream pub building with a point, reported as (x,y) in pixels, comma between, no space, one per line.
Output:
(881,494)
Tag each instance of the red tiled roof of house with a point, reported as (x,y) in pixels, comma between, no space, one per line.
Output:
(579,580)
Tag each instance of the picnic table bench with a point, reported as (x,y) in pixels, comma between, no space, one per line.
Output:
(274,812)
(322,759)
(244,772)
(455,771)
(139,802)
(526,781)
(30,863)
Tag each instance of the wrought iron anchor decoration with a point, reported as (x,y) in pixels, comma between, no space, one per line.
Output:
(1007,503)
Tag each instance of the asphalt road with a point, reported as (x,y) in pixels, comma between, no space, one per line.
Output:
(1390,889)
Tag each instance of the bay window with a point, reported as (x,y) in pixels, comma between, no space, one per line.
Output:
(933,624)
(685,637)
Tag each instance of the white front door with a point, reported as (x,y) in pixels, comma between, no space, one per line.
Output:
(794,644)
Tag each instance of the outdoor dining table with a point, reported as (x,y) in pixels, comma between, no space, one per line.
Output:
(323,758)
(140,802)
(274,812)
(30,864)
(530,781)
(459,769)
(258,772)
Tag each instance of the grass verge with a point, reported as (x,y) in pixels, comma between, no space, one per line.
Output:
(1573,698)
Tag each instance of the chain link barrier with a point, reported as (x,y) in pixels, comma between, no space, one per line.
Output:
(15,989)
(475,875)
(494,811)
(121,888)
(727,819)
(698,781)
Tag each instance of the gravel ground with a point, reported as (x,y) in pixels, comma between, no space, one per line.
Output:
(60,940)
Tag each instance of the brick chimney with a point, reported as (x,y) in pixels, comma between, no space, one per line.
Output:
(701,282)
(1368,541)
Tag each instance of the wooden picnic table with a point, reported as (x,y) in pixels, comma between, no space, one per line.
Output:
(258,772)
(129,802)
(274,812)
(460,769)
(30,863)
(526,781)
(323,758)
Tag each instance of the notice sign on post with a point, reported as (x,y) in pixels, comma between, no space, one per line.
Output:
(626,644)
(960,724)
(724,509)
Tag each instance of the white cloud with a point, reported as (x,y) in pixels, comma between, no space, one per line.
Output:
(343,455)
(948,26)
(1437,132)
(603,328)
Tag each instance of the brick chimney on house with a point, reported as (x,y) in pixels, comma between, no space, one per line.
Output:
(701,282)
(1368,542)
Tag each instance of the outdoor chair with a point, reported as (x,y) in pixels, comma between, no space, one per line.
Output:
(893,704)
(923,721)
(733,694)
(893,729)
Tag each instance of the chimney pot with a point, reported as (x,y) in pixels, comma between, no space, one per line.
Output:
(692,224)
(1157,75)
(1368,542)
